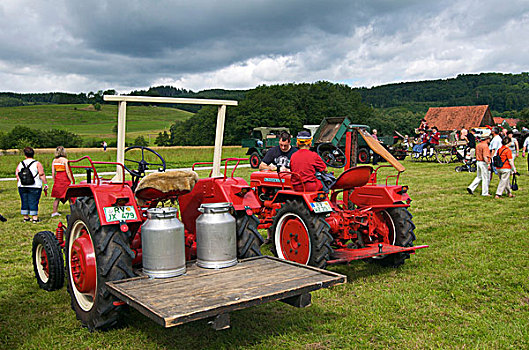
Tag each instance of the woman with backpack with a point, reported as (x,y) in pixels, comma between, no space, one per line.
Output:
(504,163)
(31,180)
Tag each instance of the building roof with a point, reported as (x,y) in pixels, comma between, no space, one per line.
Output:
(450,118)
(510,121)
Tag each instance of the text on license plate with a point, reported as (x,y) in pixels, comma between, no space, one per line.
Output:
(120,213)
(321,207)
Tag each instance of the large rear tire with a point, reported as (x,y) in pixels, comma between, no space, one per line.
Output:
(400,225)
(249,240)
(48,261)
(95,254)
(300,235)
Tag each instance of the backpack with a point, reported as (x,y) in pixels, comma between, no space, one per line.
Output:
(25,175)
(496,160)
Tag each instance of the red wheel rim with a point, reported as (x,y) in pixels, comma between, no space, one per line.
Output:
(362,156)
(83,264)
(254,161)
(294,241)
(385,227)
(44,263)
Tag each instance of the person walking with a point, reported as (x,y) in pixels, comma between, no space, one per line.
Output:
(525,148)
(62,178)
(31,181)
(483,160)
(504,171)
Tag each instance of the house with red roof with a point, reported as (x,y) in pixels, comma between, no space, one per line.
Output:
(506,122)
(449,118)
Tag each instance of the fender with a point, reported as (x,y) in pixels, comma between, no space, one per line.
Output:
(381,196)
(107,196)
(234,190)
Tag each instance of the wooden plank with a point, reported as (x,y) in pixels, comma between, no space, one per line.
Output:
(199,101)
(203,293)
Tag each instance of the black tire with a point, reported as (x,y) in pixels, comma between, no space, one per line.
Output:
(48,261)
(458,169)
(363,156)
(255,160)
(113,261)
(473,168)
(400,219)
(249,240)
(316,249)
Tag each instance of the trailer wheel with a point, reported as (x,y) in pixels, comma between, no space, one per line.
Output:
(255,160)
(95,254)
(363,156)
(249,240)
(48,261)
(300,235)
(400,225)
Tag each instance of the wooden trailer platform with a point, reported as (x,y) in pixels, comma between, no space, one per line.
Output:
(203,293)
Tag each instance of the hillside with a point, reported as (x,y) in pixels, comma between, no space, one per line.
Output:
(83,120)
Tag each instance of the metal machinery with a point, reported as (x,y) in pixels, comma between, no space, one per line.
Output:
(358,219)
(102,241)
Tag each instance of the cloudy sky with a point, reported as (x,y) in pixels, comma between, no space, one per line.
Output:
(90,45)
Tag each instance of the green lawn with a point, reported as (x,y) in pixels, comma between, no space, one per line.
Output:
(470,289)
(81,120)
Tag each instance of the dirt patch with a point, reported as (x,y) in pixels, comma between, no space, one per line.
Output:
(90,108)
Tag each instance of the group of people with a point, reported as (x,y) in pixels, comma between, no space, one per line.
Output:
(31,182)
(426,137)
(503,146)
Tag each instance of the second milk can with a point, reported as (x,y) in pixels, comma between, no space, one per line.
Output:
(162,241)
(216,236)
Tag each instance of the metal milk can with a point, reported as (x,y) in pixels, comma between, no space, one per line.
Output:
(216,236)
(162,240)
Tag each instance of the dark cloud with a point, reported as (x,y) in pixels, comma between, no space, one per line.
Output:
(99,44)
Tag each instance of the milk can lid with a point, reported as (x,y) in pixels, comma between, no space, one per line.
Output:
(162,213)
(215,207)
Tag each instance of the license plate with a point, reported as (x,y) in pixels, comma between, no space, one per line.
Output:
(120,213)
(321,207)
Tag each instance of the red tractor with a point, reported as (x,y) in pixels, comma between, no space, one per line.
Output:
(358,219)
(102,239)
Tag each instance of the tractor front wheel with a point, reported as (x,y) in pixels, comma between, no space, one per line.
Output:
(399,228)
(48,261)
(95,254)
(249,240)
(300,235)
(255,160)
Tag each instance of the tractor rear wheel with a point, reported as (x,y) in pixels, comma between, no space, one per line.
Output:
(95,254)
(249,240)
(400,232)
(300,235)
(255,160)
(48,261)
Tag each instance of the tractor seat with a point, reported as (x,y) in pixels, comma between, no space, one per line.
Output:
(160,186)
(353,177)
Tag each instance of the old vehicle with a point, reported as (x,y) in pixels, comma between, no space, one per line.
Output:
(358,219)
(262,139)
(124,244)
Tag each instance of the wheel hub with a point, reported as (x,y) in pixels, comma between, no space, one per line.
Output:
(295,243)
(44,263)
(83,265)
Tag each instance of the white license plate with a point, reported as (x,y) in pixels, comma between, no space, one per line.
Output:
(321,207)
(120,213)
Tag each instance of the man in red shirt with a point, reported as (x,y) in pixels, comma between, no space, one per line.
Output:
(483,160)
(504,172)
(306,163)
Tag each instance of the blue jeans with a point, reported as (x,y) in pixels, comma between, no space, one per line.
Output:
(30,200)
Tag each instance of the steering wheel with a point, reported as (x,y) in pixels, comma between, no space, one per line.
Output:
(143,165)
(331,155)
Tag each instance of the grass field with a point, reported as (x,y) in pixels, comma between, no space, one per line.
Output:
(88,123)
(470,289)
